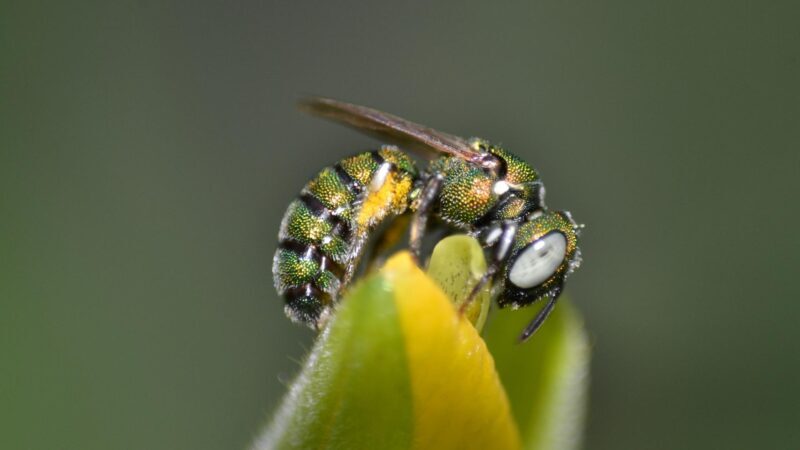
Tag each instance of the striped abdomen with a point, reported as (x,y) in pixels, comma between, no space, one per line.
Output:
(323,233)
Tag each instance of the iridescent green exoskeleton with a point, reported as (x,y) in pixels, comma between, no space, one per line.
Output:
(469,185)
(323,232)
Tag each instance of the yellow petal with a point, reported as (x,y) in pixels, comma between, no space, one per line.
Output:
(458,401)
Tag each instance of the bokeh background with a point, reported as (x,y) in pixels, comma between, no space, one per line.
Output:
(148,150)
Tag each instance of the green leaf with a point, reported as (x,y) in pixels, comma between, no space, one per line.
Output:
(546,378)
(353,391)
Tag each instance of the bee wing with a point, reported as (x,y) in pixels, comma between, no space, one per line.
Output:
(395,128)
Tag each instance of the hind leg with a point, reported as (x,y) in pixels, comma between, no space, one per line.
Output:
(388,238)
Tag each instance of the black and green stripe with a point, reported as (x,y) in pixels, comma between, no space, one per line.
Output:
(318,231)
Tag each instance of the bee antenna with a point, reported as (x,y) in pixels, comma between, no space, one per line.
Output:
(540,318)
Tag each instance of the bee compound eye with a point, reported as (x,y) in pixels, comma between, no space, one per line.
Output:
(539,261)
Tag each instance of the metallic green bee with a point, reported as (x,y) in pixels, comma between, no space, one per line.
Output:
(471,185)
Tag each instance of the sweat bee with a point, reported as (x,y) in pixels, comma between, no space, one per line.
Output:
(470,185)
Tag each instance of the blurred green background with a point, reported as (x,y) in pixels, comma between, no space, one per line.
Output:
(148,150)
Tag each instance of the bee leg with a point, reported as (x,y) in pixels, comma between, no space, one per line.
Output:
(499,254)
(427,200)
(356,252)
(388,238)
(540,318)
(485,279)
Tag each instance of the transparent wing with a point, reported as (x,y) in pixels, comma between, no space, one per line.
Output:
(396,129)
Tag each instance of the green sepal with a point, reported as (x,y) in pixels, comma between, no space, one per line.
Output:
(456,265)
(547,377)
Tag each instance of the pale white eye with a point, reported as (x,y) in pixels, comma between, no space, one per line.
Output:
(539,261)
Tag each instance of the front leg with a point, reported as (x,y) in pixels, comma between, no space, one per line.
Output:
(499,241)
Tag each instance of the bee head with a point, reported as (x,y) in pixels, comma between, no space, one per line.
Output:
(545,251)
